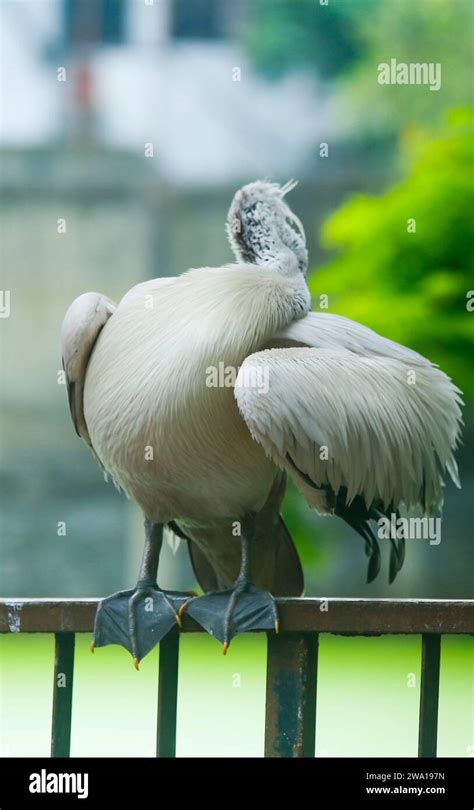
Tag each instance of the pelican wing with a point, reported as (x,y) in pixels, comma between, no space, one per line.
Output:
(81,327)
(372,430)
(322,330)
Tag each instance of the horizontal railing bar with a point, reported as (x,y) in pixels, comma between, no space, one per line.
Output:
(344,616)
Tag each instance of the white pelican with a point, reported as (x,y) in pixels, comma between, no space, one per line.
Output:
(360,423)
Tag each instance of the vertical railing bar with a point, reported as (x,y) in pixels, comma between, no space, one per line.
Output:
(309,728)
(429,695)
(167,696)
(290,718)
(62,694)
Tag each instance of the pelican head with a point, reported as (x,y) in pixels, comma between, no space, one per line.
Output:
(263,230)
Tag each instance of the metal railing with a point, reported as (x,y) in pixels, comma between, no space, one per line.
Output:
(292,658)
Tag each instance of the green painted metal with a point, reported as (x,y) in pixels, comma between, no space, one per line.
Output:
(429,695)
(291,663)
(290,720)
(167,696)
(62,694)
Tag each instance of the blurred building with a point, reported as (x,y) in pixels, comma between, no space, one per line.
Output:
(168,73)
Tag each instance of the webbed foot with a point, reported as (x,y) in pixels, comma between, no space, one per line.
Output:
(137,619)
(237,610)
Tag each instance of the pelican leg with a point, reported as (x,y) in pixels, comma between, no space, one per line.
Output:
(139,618)
(240,608)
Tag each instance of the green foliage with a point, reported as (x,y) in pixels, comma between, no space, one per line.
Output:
(412,286)
(287,34)
(347,40)
(431,31)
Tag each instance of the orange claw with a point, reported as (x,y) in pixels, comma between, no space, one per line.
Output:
(181,610)
(178,621)
(277,625)
(136,664)
(92,646)
(225,647)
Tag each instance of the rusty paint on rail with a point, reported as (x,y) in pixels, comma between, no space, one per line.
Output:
(341,616)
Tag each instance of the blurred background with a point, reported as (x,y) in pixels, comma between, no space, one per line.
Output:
(126,127)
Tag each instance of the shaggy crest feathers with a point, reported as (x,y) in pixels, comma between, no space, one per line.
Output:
(263,230)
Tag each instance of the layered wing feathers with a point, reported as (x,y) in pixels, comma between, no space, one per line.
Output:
(382,427)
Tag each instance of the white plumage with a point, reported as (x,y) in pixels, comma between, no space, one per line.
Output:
(204,457)
(362,422)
